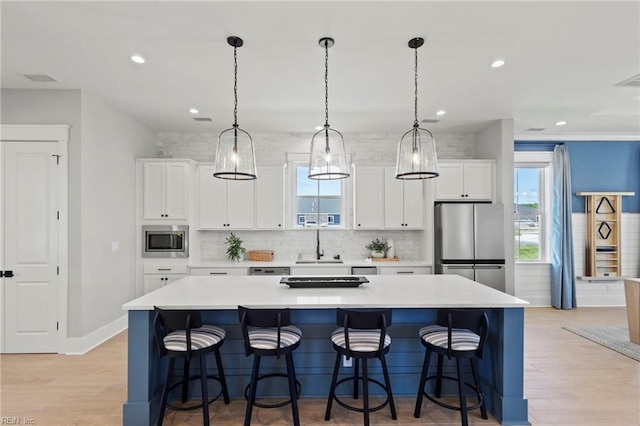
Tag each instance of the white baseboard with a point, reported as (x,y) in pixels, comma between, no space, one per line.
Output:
(82,345)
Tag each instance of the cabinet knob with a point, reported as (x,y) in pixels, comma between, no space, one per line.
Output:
(359,225)
(279,225)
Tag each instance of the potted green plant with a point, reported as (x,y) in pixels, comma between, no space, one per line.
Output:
(235,251)
(378,248)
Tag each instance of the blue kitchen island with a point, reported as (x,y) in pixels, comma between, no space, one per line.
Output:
(414,299)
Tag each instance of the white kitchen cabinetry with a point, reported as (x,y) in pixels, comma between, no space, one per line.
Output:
(404,270)
(223,203)
(165,189)
(218,271)
(369,197)
(157,276)
(320,270)
(472,180)
(269,200)
(403,202)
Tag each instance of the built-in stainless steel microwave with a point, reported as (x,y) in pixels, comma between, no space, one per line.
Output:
(165,241)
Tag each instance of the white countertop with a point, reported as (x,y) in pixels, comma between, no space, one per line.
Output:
(383,291)
(292,263)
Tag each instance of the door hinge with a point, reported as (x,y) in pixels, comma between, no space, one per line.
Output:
(57,270)
(57,325)
(57,158)
(58,215)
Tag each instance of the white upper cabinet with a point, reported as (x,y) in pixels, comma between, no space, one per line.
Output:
(369,197)
(224,204)
(472,180)
(270,197)
(403,202)
(165,190)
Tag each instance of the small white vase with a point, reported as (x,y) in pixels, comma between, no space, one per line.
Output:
(377,254)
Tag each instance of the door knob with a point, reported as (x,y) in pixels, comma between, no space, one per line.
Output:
(6,274)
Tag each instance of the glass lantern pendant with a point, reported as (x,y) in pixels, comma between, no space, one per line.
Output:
(328,158)
(235,156)
(417,148)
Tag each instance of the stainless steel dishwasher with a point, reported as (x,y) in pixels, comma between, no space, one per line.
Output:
(279,270)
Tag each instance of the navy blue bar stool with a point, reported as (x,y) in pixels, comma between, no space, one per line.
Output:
(269,332)
(459,334)
(362,336)
(180,334)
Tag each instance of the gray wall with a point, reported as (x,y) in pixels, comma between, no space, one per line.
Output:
(102,146)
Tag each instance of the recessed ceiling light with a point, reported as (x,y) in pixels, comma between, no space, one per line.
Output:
(441,112)
(194,110)
(138,59)
(561,123)
(497,63)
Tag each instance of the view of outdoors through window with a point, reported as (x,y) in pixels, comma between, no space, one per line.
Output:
(527,212)
(313,209)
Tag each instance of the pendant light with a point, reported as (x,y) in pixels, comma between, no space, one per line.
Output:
(417,148)
(235,157)
(328,159)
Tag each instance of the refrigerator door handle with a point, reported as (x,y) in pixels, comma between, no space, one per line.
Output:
(458,266)
(489,266)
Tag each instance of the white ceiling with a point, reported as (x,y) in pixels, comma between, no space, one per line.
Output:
(563,60)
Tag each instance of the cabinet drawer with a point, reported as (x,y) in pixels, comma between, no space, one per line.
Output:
(408,270)
(218,271)
(165,269)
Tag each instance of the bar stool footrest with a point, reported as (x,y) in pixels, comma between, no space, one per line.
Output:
(357,409)
(454,407)
(280,404)
(193,407)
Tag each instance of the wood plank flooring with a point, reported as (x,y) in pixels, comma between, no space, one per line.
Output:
(568,381)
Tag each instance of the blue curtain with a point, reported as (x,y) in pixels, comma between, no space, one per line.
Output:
(563,287)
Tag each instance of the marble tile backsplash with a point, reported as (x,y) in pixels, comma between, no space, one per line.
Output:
(348,244)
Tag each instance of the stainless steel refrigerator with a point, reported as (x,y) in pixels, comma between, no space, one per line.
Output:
(469,241)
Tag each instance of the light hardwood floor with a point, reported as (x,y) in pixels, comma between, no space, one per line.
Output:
(568,381)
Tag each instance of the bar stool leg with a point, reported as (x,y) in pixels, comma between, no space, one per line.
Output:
(332,389)
(365,391)
(252,390)
(205,394)
(463,398)
(223,380)
(355,377)
(291,373)
(439,377)
(476,379)
(165,391)
(185,381)
(387,383)
(423,381)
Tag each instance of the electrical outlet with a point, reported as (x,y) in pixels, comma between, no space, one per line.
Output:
(115,246)
(347,362)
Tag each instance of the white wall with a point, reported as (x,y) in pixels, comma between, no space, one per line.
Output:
(103,143)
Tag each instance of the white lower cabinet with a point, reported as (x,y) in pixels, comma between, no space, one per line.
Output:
(157,276)
(218,271)
(404,270)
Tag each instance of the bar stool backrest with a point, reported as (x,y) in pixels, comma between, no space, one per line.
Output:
(364,319)
(262,318)
(172,320)
(475,320)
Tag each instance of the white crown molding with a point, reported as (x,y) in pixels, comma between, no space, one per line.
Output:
(577,137)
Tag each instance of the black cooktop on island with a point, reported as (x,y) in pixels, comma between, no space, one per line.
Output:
(323,281)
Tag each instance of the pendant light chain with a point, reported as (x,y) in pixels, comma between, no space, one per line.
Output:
(235,86)
(415,79)
(326,83)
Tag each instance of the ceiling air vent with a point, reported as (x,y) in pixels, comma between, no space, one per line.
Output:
(430,120)
(535,129)
(202,119)
(40,78)
(630,82)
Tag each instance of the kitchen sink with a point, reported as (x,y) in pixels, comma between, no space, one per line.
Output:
(318,262)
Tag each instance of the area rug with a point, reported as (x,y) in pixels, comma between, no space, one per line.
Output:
(616,338)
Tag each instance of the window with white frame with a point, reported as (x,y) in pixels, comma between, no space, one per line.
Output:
(531,205)
(317,202)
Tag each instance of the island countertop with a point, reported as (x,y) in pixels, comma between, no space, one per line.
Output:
(413,291)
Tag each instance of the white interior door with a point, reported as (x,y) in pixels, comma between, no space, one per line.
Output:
(30,246)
